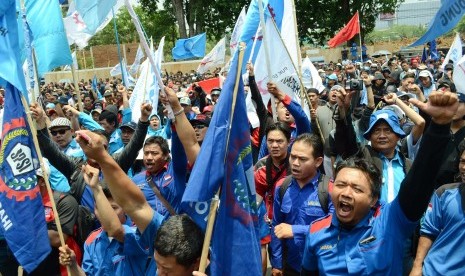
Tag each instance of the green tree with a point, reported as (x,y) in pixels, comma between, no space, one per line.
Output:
(156,25)
(197,16)
(318,21)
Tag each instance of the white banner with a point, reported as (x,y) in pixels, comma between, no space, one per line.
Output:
(214,58)
(454,53)
(236,34)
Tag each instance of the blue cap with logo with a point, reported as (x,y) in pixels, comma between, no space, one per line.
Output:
(389,117)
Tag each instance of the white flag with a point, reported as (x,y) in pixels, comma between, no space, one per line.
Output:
(75,63)
(283,71)
(146,83)
(310,76)
(76,28)
(115,71)
(214,58)
(236,34)
(455,52)
(288,32)
(135,65)
(459,75)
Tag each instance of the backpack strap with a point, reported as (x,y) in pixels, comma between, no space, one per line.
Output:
(323,194)
(284,186)
(157,192)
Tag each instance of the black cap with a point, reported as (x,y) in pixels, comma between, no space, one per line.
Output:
(130,125)
(449,66)
(200,119)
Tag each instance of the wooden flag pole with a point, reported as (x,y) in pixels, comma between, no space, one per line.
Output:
(215,201)
(360,36)
(45,175)
(76,88)
(267,57)
(303,93)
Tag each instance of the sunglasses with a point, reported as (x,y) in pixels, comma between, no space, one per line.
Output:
(199,126)
(61,131)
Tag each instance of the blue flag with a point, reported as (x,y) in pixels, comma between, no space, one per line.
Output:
(226,161)
(433,50)
(424,56)
(21,210)
(94,12)
(190,47)
(95,87)
(446,18)
(49,36)
(10,70)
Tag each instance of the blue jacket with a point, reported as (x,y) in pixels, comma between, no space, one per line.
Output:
(374,246)
(299,207)
(444,223)
(105,257)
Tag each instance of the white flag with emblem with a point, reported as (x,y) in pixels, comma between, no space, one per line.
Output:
(233,42)
(214,58)
(283,71)
(454,53)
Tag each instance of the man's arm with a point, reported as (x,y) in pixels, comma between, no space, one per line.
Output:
(129,153)
(424,244)
(419,183)
(123,190)
(183,127)
(276,257)
(345,138)
(107,216)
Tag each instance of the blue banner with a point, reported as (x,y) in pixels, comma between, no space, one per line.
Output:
(445,19)
(190,47)
(10,69)
(225,160)
(21,210)
(49,36)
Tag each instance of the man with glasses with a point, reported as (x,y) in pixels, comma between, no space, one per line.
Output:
(200,124)
(62,135)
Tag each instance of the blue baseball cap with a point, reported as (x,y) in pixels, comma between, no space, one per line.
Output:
(389,117)
(130,125)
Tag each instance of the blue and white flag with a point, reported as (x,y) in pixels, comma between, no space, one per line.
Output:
(75,63)
(190,47)
(49,37)
(446,18)
(214,58)
(455,51)
(225,160)
(234,41)
(94,12)
(135,65)
(10,69)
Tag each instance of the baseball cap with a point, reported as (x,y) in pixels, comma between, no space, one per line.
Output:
(332,77)
(336,87)
(389,117)
(216,91)
(208,108)
(50,105)
(424,73)
(130,125)
(98,110)
(403,94)
(60,122)
(185,100)
(449,66)
(200,119)
(107,93)
(422,67)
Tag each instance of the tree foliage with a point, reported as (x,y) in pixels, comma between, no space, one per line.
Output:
(156,25)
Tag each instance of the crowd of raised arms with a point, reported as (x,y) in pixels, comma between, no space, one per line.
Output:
(370,184)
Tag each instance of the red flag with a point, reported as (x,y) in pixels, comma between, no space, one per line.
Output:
(352,28)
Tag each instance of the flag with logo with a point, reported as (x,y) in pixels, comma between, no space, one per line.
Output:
(350,30)
(94,12)
(283,71)
(214,58)
(49,37)
(455,51)
(445,19)
(310,76)
(135,65)
(225,160)
(22,214)
(190,47)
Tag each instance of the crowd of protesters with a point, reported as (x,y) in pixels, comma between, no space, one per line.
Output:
(342,192)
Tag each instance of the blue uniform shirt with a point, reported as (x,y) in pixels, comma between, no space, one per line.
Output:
(170,180)
(147,240)
(105,256)
(393,174)
(445,223)
(375,246)
(115,142)
(299,207)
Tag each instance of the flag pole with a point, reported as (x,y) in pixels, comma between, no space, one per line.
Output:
(76,88)
(118,46)
(360,36)
(267,57)
(299,56)
(143,41)
(45,175)
(215,200)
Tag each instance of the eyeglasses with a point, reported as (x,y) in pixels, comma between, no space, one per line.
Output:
(61,131)
(198,126)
